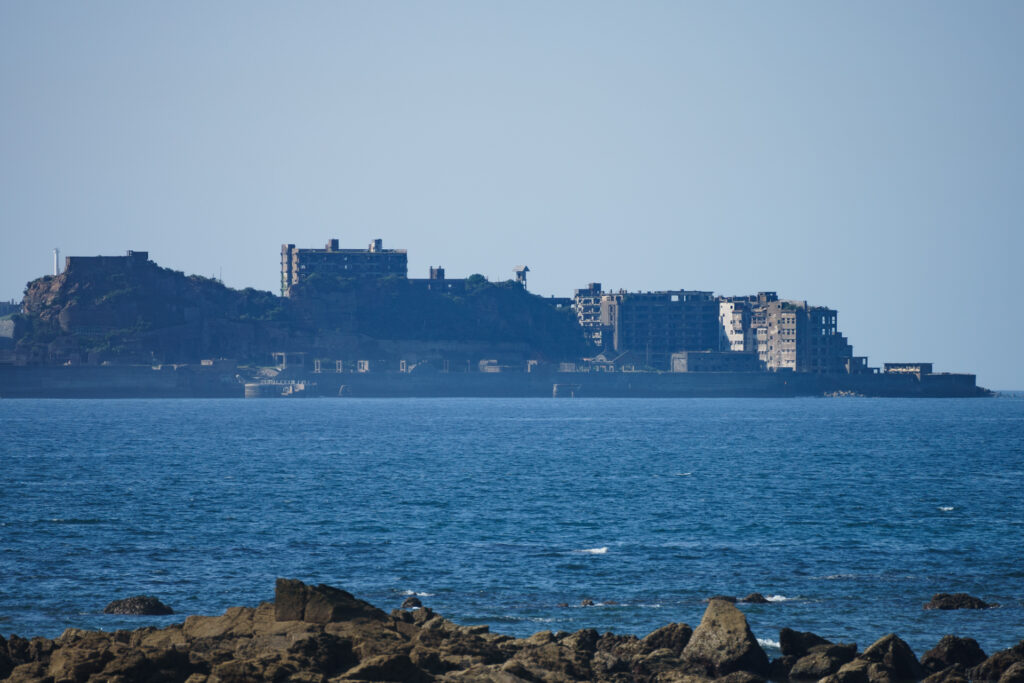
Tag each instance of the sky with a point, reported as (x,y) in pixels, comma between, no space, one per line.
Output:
(864,156)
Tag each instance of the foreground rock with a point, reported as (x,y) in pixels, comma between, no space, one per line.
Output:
(325,635)
(724,643)
(139,604)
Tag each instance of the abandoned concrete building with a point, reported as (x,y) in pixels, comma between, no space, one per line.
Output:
(297,265)
(794,336)
(692,331)
(654,325)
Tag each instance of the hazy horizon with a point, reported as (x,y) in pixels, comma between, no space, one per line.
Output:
(864,157)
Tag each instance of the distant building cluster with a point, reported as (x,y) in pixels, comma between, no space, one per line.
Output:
(677,330)
(693,331)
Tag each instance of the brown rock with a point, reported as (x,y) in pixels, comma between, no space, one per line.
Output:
(388,668)
(798,643)
(993,668)
(30,672)
(324,653)
(740,677)
(780,667)
(675,637)
(896,656)
(554,659)
(412,602)
(821,661)
(723,643)
(952,650)
(139,605)
(295,601)
(956,601)
(756,599)
(952,674)
(1015,674)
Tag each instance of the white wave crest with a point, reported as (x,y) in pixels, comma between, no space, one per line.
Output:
(594,551)
(776,598)
(683,474)
(947,508)
(765,642)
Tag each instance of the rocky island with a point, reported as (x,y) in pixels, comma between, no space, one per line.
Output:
(320,634)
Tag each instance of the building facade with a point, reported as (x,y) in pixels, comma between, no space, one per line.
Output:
(794,336)
(654,325)
(298,265)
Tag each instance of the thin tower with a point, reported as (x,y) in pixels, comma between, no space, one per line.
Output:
(56,262)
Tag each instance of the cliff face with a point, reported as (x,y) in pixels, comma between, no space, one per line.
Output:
(131,310)
(137,311)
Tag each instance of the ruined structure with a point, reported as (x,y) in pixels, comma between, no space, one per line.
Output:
(299,265)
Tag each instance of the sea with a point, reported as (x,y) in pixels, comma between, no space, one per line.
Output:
(848,514)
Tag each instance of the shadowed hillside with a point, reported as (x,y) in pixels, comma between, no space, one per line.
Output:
(128,309)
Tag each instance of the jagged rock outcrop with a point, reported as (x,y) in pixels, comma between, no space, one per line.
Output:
(950,651)
(1002,666)
(797,643)
(723,643)
(888,660)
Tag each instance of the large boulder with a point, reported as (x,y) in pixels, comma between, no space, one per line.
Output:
(952,650)
(956,601)
(822,660)
(894,655)
(798,643)
(138,605)
(723,643)
(321,604)
(993,668)
(675,637)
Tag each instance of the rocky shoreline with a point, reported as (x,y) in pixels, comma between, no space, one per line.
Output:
(320,634)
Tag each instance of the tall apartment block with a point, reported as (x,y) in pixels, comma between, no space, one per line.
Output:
(373,262)
(654,325)
(794,336)
(587,304)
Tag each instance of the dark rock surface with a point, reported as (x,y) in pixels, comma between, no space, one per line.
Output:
(798,643)
(755,599)
(998,665)
(957,601)
(952,650)
(411,602)
(138,604)
(324,635)
(822,660)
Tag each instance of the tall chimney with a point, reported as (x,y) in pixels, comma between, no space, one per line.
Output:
(56,262)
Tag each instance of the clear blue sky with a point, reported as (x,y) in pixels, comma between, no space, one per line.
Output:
(867,156)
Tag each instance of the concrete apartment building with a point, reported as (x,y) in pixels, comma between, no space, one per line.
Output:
(794,336)
(373,262)
(654,325)
(587,304)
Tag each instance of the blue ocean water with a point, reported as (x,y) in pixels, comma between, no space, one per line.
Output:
(850,513)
